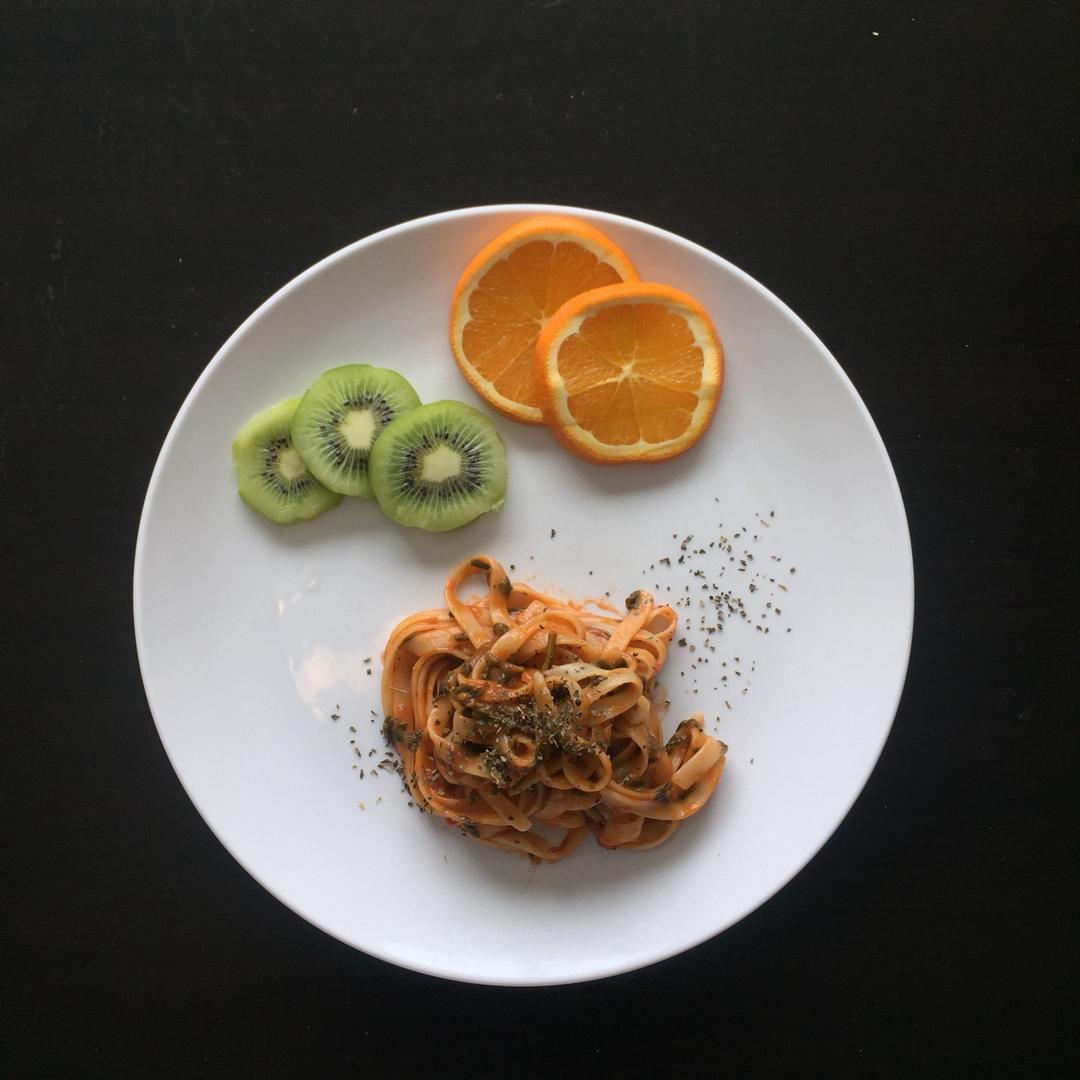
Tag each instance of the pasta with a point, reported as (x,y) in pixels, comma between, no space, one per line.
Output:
(528,721)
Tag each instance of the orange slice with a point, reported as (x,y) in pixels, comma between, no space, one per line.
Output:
(630,372)
(509,291)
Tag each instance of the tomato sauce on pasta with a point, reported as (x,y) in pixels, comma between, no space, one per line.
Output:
(529,721)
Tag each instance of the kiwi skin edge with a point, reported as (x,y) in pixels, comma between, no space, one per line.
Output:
(256,450)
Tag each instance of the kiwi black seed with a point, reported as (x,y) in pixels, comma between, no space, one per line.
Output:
(339,419)
(439,467)
(271,475)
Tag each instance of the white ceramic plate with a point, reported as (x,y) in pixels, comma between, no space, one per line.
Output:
(251,636)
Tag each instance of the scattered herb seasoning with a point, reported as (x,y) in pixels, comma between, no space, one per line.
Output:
(393,731)
(557,729)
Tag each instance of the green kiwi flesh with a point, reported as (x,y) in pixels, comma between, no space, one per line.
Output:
(439,467)
(271,475)
(339,419)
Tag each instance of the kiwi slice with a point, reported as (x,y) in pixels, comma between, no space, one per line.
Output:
(271,475)
(340,417)
(438,467)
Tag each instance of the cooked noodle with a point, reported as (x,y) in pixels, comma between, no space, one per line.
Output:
(528,721)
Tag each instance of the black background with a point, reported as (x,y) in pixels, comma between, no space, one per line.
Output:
(910,192)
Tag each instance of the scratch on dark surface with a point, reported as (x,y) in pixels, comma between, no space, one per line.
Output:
(187,22)
(103,123)
(24,401)
(3,445)
(253,137)
(50,308)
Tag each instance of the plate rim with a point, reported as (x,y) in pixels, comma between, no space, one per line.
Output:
(280,295)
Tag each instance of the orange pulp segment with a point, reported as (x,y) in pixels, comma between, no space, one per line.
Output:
(629,372)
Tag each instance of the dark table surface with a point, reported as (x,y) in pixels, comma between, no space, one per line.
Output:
(902,174)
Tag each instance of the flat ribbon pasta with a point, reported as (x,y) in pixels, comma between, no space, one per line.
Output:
(528,721)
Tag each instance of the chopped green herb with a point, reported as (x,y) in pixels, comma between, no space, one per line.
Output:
(549,652)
